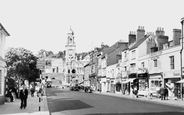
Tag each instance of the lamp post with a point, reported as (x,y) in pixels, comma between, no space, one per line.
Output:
(182,20)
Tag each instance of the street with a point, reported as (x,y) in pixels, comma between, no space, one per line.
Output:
(66,102)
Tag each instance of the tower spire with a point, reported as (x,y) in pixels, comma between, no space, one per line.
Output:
(71,31)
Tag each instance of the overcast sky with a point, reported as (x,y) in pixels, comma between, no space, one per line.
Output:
(43,24)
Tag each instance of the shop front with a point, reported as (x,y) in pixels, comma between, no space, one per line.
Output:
(103,84)
(142,76)
(132,82)
(124,83)
(170,79)
(155,82)
(108,84)
(98,83)
(112,85)
(118,87)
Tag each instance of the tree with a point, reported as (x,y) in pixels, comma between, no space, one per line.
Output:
(60,54)
(21,63)
(42,53)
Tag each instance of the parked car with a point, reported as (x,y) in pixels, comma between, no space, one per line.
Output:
(88,89)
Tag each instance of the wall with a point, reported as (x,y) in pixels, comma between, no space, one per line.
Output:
(142,49)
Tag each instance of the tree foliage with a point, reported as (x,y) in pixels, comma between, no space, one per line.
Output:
(49,54)
(21,63)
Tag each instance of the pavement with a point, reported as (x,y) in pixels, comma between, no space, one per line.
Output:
(171,102)
(35,106)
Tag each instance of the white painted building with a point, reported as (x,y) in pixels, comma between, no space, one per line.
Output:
(110,75)
(3,70)
(103,79)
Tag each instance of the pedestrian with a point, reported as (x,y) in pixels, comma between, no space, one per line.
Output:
(162,93)
(32,91)
(166,93)
(10,95)
(23,97)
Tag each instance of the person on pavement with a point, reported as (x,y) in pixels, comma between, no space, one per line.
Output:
(23,97)
(166,93)
(162,93)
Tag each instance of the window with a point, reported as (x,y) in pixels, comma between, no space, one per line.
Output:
(125,54)
(171,62)
(142,64)
(53,70)
(125,68)
(155,63)
(57,69)
(133,54)
(113,73)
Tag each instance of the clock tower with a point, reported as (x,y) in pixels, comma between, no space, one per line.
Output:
(70,56)
(70,47)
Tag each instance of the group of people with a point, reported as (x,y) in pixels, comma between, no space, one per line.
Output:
(163,92)
(22,94)
(11,93)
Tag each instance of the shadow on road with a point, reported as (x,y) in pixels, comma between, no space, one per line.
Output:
(56,105)
(152,113)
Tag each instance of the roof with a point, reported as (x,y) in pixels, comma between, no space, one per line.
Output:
(138,43)
(2,28)
(113,47)
(81,55)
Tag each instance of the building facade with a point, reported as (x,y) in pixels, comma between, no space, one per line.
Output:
(3,70)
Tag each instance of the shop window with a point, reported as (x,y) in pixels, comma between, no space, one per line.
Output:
(142,84)
(155,62)
(155,84)
(171,62)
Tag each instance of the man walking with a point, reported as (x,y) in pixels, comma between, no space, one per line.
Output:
(23,97)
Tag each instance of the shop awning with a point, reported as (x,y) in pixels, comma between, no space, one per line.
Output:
(181,81)
(129,80)
(125,81)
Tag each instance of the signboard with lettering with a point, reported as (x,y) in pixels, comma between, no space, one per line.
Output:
(172,74)
(40,64)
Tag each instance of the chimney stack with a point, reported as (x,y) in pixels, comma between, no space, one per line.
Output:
(160,32)
(131,37)
(176,36)
(102,45)
(140,33)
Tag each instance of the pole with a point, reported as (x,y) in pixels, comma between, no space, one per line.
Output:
(181,58)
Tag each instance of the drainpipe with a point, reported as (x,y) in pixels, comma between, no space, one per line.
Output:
(181,57)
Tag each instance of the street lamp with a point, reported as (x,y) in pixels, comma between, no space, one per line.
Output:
(182,20)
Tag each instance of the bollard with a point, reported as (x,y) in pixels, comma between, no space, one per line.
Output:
(39,103)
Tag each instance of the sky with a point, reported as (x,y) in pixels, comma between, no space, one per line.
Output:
(44,24)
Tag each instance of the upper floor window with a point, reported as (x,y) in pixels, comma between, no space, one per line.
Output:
(112,72)
(155,62)
(125,68)
(142,64)
(133,54)
(125,53)
(57,69)
(171,62)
